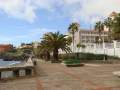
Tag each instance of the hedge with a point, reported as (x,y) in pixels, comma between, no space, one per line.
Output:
(85,56)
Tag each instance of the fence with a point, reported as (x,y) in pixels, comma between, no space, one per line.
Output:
(112,49)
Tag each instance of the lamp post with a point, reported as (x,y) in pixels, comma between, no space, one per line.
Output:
(103,41)
(104,49)
(114,46)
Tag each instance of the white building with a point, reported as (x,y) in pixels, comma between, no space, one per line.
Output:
(86,37)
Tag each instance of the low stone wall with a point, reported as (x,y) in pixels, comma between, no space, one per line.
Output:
(16,73)
(18,70)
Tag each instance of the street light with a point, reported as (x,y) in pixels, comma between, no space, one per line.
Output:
(114,46)
(104,49)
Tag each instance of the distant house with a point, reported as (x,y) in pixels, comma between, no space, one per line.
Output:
(29,45)
(26,46)
(5,47)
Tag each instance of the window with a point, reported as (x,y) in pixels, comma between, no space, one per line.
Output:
(6,74)
(16,73)
(28,72)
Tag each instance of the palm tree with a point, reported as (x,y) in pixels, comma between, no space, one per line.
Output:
(78,46)
(45,50)
(99,26)
(74,27)
(69,39)
(109,24)
(56,41)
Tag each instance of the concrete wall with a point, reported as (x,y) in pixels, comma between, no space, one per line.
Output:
(11,74)
(112,49)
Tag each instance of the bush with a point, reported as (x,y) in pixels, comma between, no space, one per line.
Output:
(13,55)
(72,61)
(85,56)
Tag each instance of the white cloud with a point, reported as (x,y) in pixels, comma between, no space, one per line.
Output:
(21,9)
(85,10)
(91,10)
(24,9)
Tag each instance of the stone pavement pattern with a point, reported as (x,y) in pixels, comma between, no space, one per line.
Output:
(58,77)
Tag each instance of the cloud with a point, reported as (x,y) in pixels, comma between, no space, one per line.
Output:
(94,10)
(76,10)
(24,9)
(21,9)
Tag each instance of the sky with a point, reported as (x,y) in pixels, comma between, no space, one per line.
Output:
(24,21)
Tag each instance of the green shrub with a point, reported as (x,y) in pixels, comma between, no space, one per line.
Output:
(72,61)
(13,55)
(85,56)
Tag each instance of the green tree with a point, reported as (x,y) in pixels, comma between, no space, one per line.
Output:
(99,26)
(109,24)
(22,44)
(69,39)
(116,27)
(44,50)
(56,41)
(74,27)
(79,46)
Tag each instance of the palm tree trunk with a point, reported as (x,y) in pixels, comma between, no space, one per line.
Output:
(47,56)
(100,38)
(55,55)
(73,42)
(110,34)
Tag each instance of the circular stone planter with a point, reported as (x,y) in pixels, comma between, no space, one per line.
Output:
(74,65)
(116,73)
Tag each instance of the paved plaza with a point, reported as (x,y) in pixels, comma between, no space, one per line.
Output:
(59,77)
